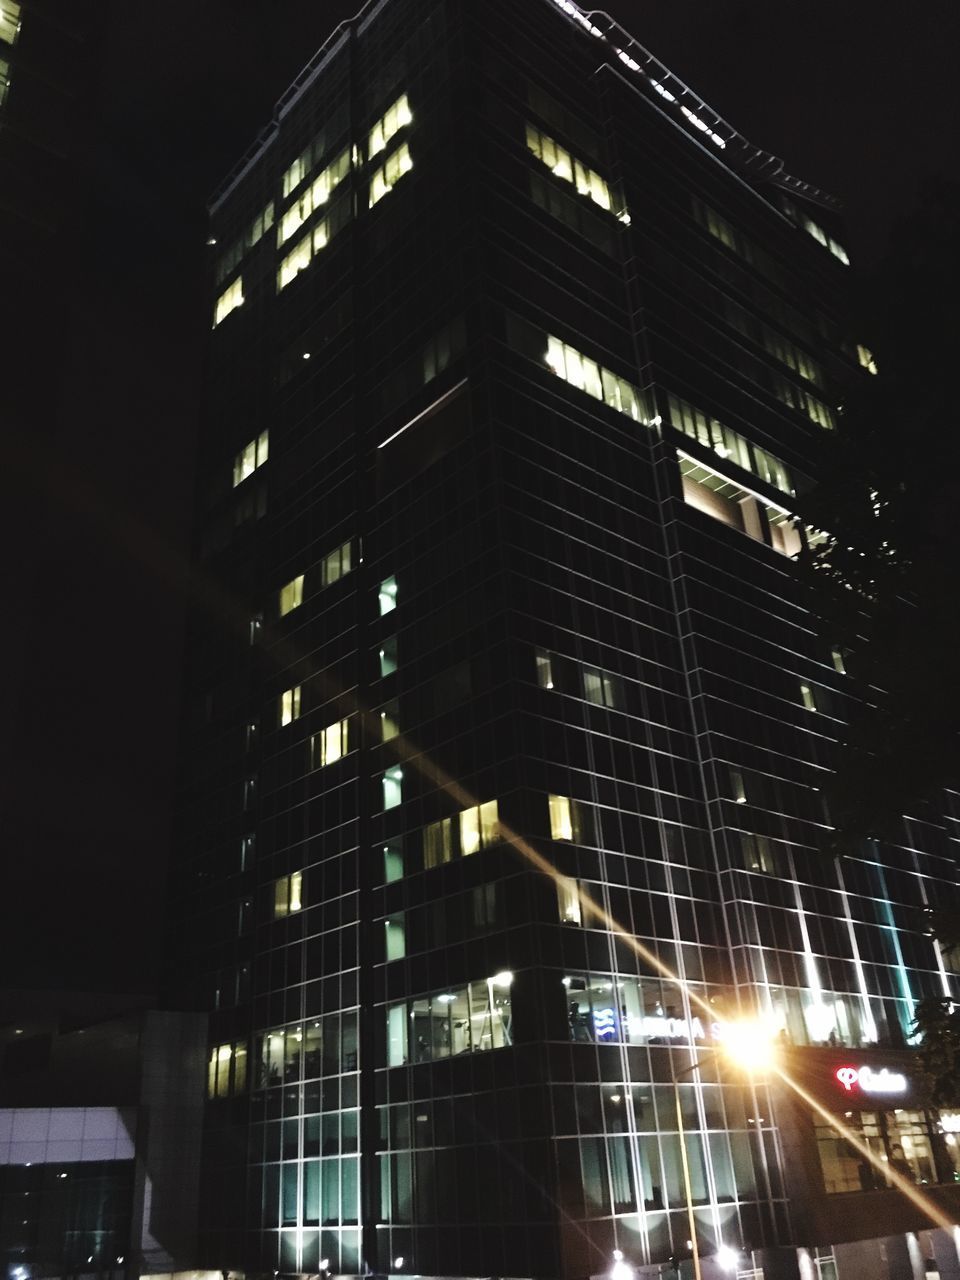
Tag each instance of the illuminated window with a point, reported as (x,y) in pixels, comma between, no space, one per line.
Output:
(227,1070)
(717,496)
(290,705)
(387,596)
(544,669)
(865,356)
(728,444)
(392,787)
(568,899)
(438,843)
(389,174)
(388,656)
(229,261)
(738,791)
(561,818)
(250,457)
(393,862)
(389,721)
(839,665)
(559,161)
(229,300)
(4,78)
(758,853)
(249,792)
(602,688)
(479,827)
(255,628)
(586,375)
(337,564)
(315,197)
(396,937)
(288,895)
(331,744)
(248,851)
(291,596)
(471,1019)
(9,21)
(397,117)
(808,697)
(303,254)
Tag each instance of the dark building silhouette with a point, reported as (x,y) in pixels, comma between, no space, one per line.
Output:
(520,355)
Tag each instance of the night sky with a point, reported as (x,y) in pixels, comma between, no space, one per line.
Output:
(857,97)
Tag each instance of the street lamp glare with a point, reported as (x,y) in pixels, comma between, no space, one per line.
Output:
(750,1045)
(727,1258)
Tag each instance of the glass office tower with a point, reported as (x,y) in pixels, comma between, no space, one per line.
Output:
(519,359)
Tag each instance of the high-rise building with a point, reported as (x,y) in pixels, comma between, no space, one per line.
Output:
(519,361)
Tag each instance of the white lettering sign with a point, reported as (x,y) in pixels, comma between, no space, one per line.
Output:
(870,1081)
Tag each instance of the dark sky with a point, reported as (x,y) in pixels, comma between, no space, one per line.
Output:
(857,97)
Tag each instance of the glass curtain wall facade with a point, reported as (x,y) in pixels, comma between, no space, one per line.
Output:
(515,379)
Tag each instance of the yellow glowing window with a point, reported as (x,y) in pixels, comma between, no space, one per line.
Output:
(331,744)
(315,197)
(865,356)
(290,705)
(390,173)
(229,300)
(568,901)
(291,596)
(560,162)
(250,457)
(390,123)
(438,843)
(303,254)
(288,895)
(9,21)
(561,818)
(335,565)
(389,722)
(586,375)
(479,827)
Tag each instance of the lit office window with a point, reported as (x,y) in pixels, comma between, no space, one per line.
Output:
(291,596)
(337,564)
(717,496)
(727,443)
(839,664)
(544,669)
(250,457)
(392,787)
(388,656)
(738,791)
(230,260)
(561,818)
(560,162)
(396,937)
(808,697)
(438,843)
(387,595)
(303,254)
(397,117)
(4,78)
(602,688)
(290,705)
(389,174)
(229,300)
(9,21)
(227,1070)
(479,827)
(867,361)
(288,895)
(472,1019)
(248,851)
(393,862)
(568,900)
(390,721)
(586,375)
(315,197)
(758,853)
(330,745)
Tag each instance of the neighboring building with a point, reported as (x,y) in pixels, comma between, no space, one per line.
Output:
(519,361)
(100,1120)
